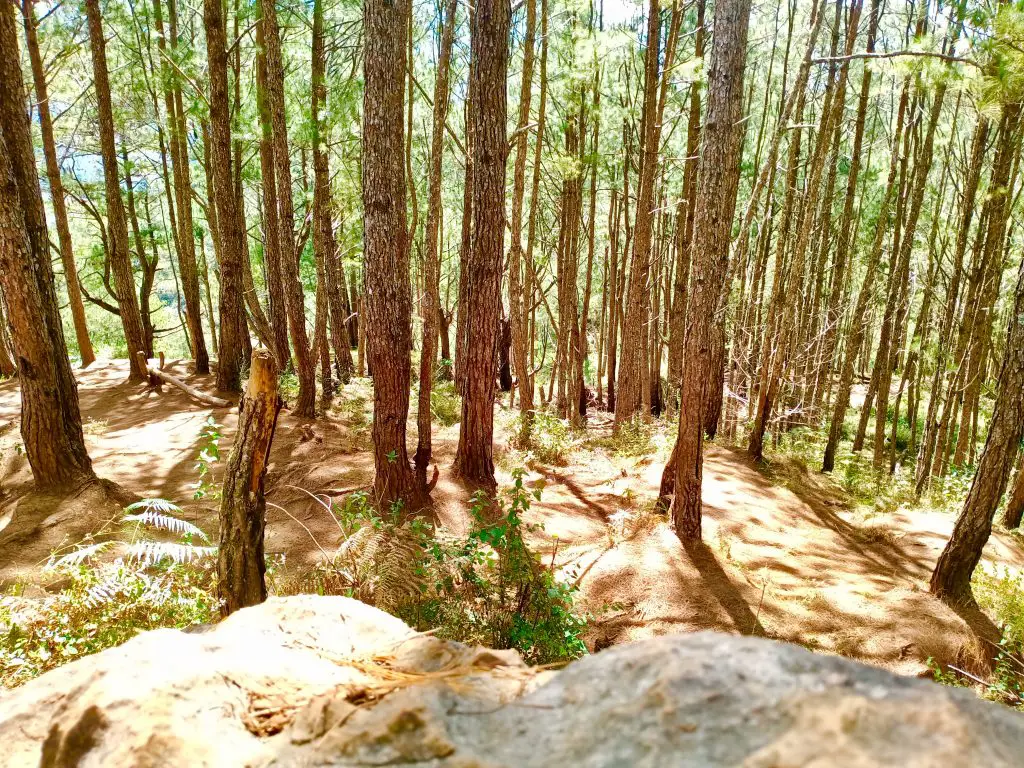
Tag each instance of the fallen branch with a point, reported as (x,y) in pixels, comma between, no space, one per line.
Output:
(157,374)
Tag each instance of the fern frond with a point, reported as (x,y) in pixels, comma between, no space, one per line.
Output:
(81,554)
(162,506)
(151,552)
(160,521)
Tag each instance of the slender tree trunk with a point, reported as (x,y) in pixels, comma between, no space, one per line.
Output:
(387,299)
(431,308)
(632,379)
(124,279)
(685,216)
(858,326)
(60,211)
(951,579)
(942,374)
(241,565)
(51,424)
(187,262)
(271,226)
(473,460)
(518,300)
(305,366)
(324,243)
(718,181)
(232,234)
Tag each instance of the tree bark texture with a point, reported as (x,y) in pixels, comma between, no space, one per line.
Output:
(488,109)
(120,258)
(51,423)
(717,184)
(60,211)
(388,297)
(241,566)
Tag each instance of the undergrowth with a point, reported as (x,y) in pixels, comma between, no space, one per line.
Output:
(488,587)
(1001,595)
(99,603)
(633,438)
(548,440)
(445,403)
(870,491)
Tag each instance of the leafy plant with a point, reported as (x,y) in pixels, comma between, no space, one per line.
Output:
(549,439)
(488,587)
(104,603)
(209,454)
(445,404)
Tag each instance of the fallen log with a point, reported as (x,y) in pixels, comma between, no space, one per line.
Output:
(155,375)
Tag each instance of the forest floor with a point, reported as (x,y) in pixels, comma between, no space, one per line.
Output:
(786,553)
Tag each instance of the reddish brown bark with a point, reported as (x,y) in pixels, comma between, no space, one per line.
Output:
(718,181)
(387,301)
(473,459)
(60,211)
(51,424)
(124,279)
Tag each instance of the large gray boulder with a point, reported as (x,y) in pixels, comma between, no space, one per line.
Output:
(327,681)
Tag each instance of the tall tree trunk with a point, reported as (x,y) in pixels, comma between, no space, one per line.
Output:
(187,263)
(387,299)
(518,300)
(685,216)
(951,579)
(51,424)
(632,379)
(718,181)
(271,226)
(324,243)
(942,374)
(305,367)
(120,258)
(431,308)
(60,211)
(233,326)
(473,459)
(858,325)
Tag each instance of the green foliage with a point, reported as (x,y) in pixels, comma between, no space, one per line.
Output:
(632,439)
(548,440)
(288,385)
(102,603)
(488,587)
(1000,595)
(445,403)
(871,491)
(209,454)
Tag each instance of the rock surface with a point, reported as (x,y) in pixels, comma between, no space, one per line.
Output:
(327,681)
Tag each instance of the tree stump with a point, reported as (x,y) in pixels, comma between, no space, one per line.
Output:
(240,565)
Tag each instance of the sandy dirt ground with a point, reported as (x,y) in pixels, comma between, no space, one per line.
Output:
(789,561)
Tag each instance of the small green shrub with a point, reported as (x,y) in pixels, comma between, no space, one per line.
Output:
(548,439)
(488,587)
(445,404)
(633,438)
(209,454)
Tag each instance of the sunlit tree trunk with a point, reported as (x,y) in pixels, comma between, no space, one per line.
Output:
(718,180)
(473,459)
(387,300)
(431,307)
(60,211)
(51,424)
(124,279)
